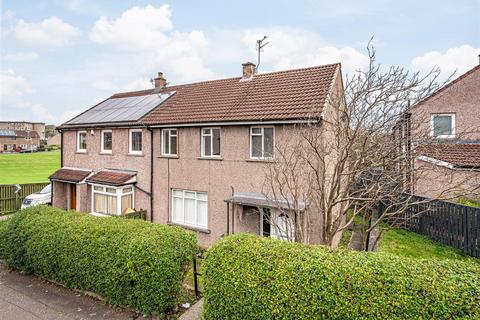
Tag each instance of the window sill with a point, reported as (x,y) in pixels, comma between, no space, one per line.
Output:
(198,229)
(81,152)
(210,158)
(135,154)
(168,156)
(260,160)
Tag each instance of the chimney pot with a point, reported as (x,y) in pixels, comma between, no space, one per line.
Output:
(160,81)
(248,70)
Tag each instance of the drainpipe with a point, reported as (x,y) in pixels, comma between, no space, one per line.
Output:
(151,172)
(61,148)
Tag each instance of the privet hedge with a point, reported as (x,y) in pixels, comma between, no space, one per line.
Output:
(247,277)
(127,262)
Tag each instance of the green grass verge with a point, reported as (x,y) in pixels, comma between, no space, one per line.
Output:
(408,244)
(28,167)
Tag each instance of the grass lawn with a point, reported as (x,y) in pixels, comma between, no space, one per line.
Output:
(28,167)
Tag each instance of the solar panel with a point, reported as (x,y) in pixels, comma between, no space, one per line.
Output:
(121,109)
(7,133)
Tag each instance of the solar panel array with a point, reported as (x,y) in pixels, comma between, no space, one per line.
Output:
(7,133)
(121,109)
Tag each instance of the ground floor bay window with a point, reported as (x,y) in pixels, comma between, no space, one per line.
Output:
(190,208)
(112,200)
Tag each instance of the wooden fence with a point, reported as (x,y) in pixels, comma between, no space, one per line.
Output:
(449,223)
(11,201)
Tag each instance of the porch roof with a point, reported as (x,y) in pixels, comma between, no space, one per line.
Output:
(113,177)
(74,175)
(260,200)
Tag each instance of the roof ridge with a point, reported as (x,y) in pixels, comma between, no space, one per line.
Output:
(226,79)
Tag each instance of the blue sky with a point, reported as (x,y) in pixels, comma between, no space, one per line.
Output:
(60,57)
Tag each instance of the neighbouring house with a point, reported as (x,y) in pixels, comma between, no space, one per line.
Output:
(13,140)
(191,155)
(54,140)
(39,127)
(444,132)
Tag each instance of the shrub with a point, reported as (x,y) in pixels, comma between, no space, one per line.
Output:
(126,261)
(247,277)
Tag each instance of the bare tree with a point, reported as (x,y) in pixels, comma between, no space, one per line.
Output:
(357,157)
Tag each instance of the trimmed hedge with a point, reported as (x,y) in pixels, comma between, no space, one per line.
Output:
(248,277)
(127,262)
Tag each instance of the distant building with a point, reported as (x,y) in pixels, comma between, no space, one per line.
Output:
(54,140)
(39,127)
(11,140)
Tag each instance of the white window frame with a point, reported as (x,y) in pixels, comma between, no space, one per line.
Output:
(103,142)
(78,141)
(172,197)
(432,127)
(202,143)
(262,157)
(169,154)
(130,142)
(118,194)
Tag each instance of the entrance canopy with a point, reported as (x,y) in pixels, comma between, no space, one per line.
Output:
(70,175)
(260,200)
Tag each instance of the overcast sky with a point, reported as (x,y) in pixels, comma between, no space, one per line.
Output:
(61,57)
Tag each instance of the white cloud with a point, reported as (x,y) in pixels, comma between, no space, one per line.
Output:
(49,32)
(13,88)
(42,114)
(459,59)
(19,56)
(146,35)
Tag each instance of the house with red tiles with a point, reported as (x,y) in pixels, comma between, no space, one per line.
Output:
(192,155)
(445,132)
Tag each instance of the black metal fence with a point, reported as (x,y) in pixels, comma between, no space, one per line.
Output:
(449,223)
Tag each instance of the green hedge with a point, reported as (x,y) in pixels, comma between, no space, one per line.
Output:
(127,262)
(247,277)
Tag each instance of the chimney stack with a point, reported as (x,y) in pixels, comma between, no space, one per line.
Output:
(248,70)
(160,81)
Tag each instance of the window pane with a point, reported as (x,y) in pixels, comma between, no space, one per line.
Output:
(82,138)
(106,204)
(216,142)
(127,190)
(190,194)
(111,190)
(178,193)
(136,141)
(166,142)
(256,146)
(190,211)
(107,141)
(202,195)
(442,125)
(97,188)
(206,131)
(173,132)
(177,210)
(256,130)
(207,146)
(173,145)
(202,214)
(127,202)
(268,142)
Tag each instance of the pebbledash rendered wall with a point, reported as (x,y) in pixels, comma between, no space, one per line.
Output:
(95,160)
(463,99)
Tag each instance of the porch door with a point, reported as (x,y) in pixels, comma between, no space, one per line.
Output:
(73,197)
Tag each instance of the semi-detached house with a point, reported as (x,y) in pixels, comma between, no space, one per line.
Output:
(191,155)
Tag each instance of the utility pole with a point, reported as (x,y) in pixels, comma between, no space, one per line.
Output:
(260,46)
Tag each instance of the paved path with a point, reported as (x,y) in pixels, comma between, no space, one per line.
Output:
(24,297)
(194,312)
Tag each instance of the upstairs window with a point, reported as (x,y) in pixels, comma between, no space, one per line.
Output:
(135,141)
(81,141)
(106,141)
(169,142)
(443,125)
(210,142)
(261,142)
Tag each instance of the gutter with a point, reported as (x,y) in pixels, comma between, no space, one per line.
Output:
(233,123)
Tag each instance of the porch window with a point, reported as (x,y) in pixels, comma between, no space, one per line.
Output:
(169,142)
(135,141)
(261,142)
(210,142)
(81,141)
(112,200)
(190,208)
(106,141)
(443,125)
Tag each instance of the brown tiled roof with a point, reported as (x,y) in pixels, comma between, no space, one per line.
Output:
(283,95)
(114,178)
(457,154)
(72,175)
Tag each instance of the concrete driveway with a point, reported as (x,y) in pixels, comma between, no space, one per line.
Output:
(29,298)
